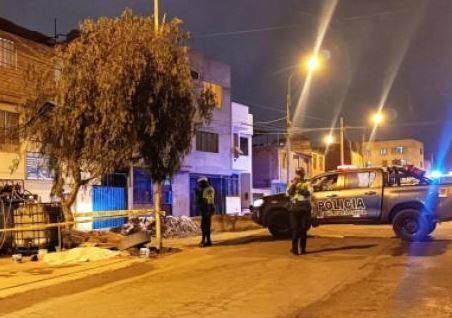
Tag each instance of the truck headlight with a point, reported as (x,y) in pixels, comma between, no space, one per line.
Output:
(258,203)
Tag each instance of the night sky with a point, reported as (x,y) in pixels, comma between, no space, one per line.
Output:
(370,44)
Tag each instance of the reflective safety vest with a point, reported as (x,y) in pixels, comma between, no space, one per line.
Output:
(208,194)
(298,190)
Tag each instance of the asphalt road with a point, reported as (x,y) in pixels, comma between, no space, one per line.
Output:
(350,271)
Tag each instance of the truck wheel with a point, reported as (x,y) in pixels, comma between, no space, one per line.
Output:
(432,227)
(410,225)
(279,224)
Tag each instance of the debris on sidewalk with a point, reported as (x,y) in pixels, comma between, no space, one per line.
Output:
(134,240)
(106,239)
(172,226)
(78,255)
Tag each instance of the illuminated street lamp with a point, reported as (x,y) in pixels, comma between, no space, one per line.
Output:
(378,118)
(312,64)
(328,140)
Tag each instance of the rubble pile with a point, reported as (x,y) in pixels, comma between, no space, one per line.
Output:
(107,239)
(172,226)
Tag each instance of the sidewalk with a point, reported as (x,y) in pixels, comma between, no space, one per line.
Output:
(17,278)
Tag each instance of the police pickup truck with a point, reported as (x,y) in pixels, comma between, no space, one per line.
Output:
(400,196)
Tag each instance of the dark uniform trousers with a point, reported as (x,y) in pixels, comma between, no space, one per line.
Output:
(206,222)
(300,220)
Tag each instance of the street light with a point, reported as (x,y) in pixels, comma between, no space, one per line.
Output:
(328,140)
(312,64)
(377,118)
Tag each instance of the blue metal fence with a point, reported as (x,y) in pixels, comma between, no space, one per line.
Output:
(107,199)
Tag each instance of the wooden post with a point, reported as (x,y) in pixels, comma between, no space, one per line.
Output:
(158,224)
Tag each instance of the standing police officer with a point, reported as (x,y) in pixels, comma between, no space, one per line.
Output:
(300,211)
(206,204)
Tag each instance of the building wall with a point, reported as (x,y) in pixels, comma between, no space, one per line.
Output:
(205,162)
(352,155)
(270,166)
(32,50)
(383,153)
(181,197)
(317,163)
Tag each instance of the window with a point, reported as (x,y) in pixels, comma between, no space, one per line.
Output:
(399,162)
(194,75)
(368,164)
(244,146)
(421,151)
(8,56)
(383,151)
(420,164)
(314,161)
(38,167)
(206,142)
(368,153)
(384,163)
(217,91)
(321,165)
(399,150)
(326,183)
(9,128)
(356,180)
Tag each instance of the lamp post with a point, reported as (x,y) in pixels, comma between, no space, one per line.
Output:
(312,63)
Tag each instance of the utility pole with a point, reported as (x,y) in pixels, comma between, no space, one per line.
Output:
(342,141)
(158,188)
(288,125)
(156,15)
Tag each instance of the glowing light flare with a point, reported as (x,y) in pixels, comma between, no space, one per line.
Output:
(313,63)
(329,139)
(378,118)
(325,20)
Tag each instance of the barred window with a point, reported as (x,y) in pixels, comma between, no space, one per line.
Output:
(244,146)
(206,141)
(8,56)
(9,128)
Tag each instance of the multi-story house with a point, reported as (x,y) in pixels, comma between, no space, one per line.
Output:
(20,49)
(220,151)
(399,152)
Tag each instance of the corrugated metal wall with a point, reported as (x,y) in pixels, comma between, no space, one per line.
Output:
(106,199)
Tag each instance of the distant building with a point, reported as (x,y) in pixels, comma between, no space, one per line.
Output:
(352,155)
(317,162)
(270,167)
(399,152)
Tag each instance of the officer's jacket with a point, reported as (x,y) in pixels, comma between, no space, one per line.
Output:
(299,190)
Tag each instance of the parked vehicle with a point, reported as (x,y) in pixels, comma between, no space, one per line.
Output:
(403,197)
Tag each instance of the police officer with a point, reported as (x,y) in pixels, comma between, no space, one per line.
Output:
(206,205)
(300,211)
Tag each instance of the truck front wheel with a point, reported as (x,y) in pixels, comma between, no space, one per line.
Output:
(410,225)
(279,224)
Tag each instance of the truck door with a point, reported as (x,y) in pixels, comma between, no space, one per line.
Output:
(362,194)
(347,196)
(326,190)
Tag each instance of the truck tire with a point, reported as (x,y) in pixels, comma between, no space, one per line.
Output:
(432,227)
(410,225)
(279,224)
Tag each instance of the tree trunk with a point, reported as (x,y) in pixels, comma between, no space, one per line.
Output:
(157,209)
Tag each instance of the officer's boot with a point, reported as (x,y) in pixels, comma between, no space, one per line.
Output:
(294,249)
(303,242)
